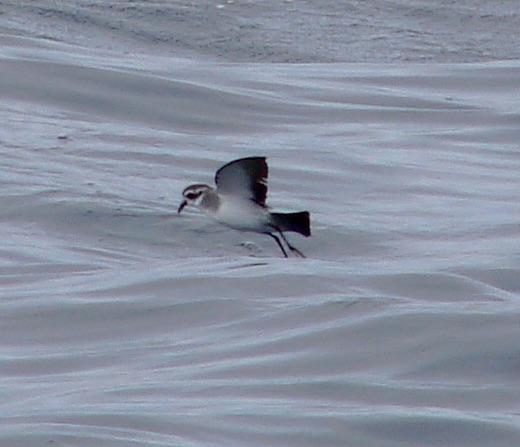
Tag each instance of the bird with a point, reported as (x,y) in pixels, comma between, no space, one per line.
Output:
(238,202)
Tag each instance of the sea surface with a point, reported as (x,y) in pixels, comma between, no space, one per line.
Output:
(396,124)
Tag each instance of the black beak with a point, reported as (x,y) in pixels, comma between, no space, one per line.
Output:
(181,206)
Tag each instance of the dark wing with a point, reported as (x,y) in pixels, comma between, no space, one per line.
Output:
(246,177)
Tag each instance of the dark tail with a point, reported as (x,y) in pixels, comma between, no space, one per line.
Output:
(297,222)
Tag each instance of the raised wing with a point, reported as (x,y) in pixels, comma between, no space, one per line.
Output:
(245,177)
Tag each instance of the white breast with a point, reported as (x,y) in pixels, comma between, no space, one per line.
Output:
(241,214)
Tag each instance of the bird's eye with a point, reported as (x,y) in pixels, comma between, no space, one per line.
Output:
(191,195)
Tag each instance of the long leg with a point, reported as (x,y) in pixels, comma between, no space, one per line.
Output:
(293,249)
(278,242)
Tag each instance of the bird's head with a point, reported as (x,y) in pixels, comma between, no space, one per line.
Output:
(193,195)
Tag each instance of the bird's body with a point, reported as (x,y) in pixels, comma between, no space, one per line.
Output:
(242,215)
(238,202)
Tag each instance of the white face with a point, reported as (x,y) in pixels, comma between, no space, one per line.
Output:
(193,195)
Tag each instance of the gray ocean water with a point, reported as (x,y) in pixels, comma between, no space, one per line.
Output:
(396,124)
